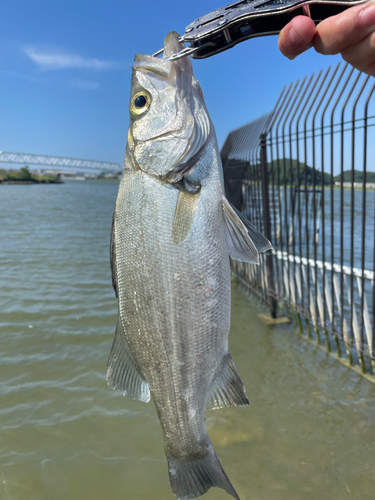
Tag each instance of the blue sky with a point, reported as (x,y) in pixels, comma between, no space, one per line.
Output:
(65,71)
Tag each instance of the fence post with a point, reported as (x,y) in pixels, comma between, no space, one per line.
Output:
(267,223)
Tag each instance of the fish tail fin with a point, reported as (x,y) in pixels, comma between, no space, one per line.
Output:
(191,479)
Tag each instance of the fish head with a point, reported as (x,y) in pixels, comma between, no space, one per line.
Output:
(169,122)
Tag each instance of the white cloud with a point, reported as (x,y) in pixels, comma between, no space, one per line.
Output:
(85,85)
(50,60)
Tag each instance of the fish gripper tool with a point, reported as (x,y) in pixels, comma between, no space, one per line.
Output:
(225,27)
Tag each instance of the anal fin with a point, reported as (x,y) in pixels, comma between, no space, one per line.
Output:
(227,389)
(123,375)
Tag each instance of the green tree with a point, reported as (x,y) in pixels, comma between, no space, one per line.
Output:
(291,167)
(25,175)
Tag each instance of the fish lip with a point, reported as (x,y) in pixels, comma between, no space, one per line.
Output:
(150,69)
(145,63)
(139,57)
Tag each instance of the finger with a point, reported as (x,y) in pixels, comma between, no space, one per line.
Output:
(362,55)
(336,33)
(296,36)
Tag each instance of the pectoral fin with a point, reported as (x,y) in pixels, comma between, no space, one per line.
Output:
(227,389)
(244,240)
(122,371)
(186,207)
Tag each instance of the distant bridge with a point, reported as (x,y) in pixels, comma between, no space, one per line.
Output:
(58,161)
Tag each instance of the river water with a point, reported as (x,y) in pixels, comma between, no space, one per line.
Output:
(308,434)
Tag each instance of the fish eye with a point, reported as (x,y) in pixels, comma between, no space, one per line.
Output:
(140,103)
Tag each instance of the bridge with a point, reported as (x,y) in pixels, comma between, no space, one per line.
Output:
(77,164)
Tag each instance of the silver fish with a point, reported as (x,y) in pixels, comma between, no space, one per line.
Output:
(173,232)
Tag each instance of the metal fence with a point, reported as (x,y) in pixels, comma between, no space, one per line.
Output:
(304,174)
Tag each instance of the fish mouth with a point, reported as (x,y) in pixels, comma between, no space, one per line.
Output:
(162,66)
(149,64)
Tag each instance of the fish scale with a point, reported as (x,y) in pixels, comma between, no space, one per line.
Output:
(175,321)
(173,233)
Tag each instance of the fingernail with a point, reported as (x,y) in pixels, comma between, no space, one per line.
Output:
(367,16)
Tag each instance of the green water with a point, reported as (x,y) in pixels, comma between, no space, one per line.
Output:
(308,434)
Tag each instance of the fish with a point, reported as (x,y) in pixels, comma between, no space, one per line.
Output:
(173,234)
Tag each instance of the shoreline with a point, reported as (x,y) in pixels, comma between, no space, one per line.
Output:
(31,182)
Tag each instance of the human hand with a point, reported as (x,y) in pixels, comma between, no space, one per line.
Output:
(351,34)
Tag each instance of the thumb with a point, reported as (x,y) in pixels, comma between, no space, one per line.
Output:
(296,36)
